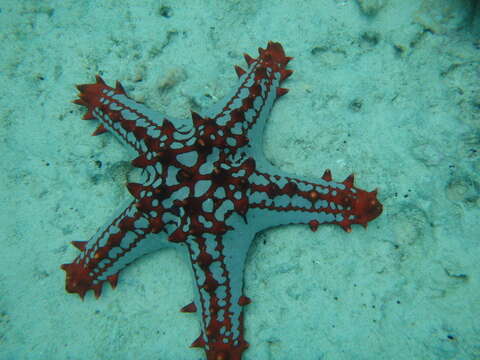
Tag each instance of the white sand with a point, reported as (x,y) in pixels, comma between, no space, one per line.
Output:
(386,89)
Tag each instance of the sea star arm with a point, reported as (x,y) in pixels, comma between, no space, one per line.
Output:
(278,200)
(133,123)
(241,116)
(128,236)
(217,264)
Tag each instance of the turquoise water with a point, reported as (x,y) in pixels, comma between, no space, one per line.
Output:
(387,90)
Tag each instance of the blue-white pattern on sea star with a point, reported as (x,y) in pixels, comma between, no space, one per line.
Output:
(207,189)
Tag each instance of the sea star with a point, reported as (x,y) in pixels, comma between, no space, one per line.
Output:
(207,189)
